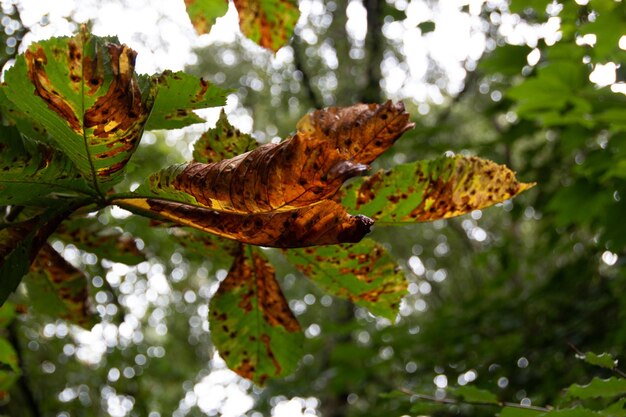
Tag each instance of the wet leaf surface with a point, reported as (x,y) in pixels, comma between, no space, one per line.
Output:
(362,273)
(251,323)
(431,190)
(58,289)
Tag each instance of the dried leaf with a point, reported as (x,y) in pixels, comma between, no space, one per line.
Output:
(269,23)
(362,273)
(326,223)
(222,142)
(58,289)
(329,147)
(203,13)
(33,173)
(251,323)
(431,190)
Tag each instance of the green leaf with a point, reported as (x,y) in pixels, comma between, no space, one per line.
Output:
(427,26)
(519,412)
(175,95)
(7,315)
(218,251)
(599,388)
(473,394)
(222,142)
(20,243)
(33,173)
(539,6)
(615,410)
(362,273)
(57,289)
(605,360)
(10,372)
(203,13)
(431,190)
(84,92)
(105,242)
(251,323)
(269,23)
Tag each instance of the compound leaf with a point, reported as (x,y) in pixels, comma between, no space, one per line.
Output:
(251,323)
(362,273)
(431,190)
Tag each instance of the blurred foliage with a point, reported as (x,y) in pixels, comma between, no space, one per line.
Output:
(500,300)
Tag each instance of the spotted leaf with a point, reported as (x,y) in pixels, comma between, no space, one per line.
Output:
(362,273)
(32,173)
(175,95)
(203,13)
(222,142)
(269,23)
(252,326)
(326,223)
(20,242)
(57,289)
(431,190)
(330,146)
(84,92)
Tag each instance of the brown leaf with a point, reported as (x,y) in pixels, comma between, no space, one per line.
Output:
(326,223)
(330,146)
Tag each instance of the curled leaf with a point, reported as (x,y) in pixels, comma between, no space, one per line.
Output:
(330,146)
(431,190)
(362,273)
(326,223)
(58,289)
(251,323)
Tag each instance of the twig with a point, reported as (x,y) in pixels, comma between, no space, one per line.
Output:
(453,401)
